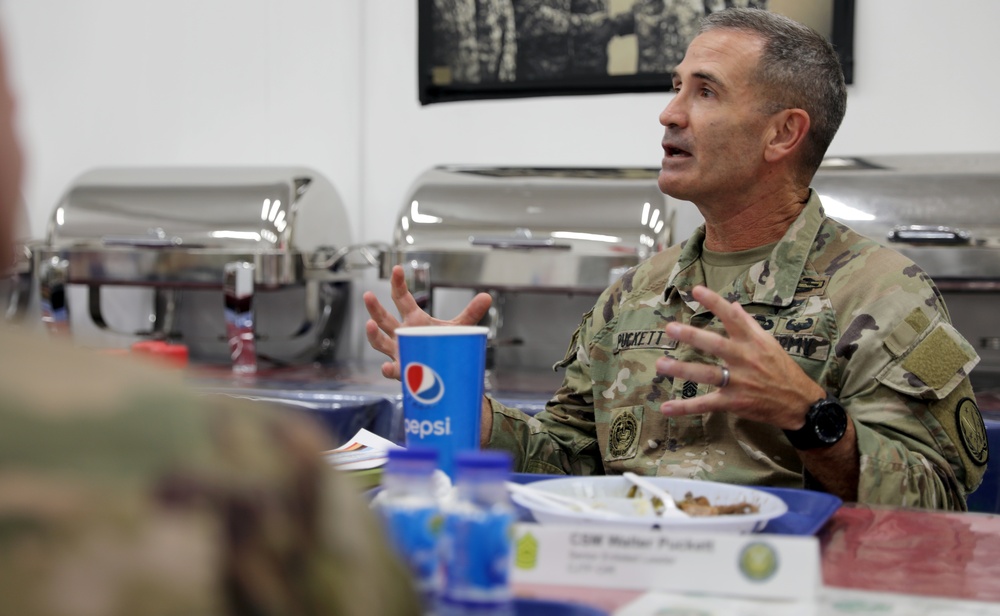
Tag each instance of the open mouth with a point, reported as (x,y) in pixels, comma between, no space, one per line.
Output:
(675,152)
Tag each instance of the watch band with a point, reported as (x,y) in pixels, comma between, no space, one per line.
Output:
(826,424)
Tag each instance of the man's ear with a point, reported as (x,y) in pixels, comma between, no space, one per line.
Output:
(789,128)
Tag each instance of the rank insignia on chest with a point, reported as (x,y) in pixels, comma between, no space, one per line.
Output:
(644,339)
(689,390)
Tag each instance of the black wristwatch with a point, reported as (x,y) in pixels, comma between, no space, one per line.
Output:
(826,423)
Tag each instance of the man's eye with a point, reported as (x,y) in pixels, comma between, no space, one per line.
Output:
(706,93)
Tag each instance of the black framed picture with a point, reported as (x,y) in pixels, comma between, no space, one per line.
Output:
(488,49)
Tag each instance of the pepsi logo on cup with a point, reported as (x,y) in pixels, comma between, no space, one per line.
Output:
(442,374)
(425,385)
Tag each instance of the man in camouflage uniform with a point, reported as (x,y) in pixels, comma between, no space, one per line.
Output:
(120,493)
(667,377)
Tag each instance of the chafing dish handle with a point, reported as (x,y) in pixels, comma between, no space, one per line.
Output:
(517,242)
(926,234)
(19,293)
(53,276)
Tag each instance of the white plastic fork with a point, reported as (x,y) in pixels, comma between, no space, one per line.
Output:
(563,502)
(670,508)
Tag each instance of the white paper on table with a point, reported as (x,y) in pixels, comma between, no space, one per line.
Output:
(830,602)
(364,450)
(773,567)
(655,603)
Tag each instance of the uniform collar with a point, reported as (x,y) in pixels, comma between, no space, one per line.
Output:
(766,283)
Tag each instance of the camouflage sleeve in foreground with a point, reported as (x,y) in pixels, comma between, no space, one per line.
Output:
(120,493)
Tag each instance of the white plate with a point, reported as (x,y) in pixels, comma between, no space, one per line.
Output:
(609,487)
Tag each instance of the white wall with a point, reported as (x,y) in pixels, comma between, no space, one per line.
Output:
(185,82)
(331,84)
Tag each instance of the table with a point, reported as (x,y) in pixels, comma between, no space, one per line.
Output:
(894,550)
(343,398)
(348,396)
(885,549)
(913,551)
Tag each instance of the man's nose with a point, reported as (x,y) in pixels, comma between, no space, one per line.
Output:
(674,113)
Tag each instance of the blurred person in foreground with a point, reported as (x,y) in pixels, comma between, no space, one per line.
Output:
(123,493)
(775,346)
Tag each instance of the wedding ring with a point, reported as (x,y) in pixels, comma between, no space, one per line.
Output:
(725,377)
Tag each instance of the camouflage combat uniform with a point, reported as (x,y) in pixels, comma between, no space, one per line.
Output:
(861,320)
(122,494)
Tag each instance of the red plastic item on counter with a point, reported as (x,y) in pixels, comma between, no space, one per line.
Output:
(170,354)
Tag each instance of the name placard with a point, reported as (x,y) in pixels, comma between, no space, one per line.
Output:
(753,565)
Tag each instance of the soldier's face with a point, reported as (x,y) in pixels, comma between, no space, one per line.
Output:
(714,130)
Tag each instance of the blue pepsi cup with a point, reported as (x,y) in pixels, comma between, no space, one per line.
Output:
(442,370)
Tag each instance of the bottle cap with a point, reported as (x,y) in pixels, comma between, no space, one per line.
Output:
(415,460)
(491,464)
(175,355)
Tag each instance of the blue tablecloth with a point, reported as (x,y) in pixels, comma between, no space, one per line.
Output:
(341,413)
(987,498)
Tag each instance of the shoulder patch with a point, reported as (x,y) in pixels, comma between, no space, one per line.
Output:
(972,430)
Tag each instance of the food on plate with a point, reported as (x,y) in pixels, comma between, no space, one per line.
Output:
(698,505)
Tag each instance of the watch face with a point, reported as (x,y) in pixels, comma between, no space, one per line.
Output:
(830,422)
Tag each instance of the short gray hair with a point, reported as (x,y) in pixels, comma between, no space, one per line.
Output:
(798,69)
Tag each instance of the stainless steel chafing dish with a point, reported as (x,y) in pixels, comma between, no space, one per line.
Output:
(522,229)
(941,211)
(172,231)
(543,241)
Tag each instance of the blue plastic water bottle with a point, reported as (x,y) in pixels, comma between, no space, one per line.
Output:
(411,515)
(476,538)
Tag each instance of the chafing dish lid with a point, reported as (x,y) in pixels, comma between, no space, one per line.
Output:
(180,225)
(942,211)
(257,209)
(516,227)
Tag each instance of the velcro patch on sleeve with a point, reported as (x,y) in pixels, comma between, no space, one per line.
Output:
(937,359)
